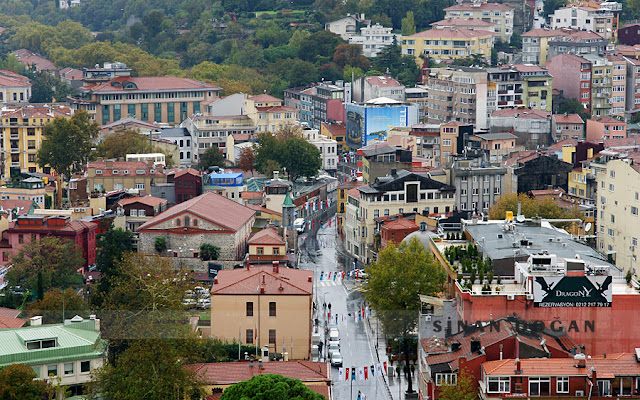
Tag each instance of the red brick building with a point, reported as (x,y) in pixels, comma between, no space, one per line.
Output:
(33,227)
(394,229)
(595,377)
(188,184)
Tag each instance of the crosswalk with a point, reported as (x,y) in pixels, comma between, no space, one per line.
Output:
(330,283)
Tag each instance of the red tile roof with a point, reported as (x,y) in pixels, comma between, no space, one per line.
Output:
(453,33)
(263,209)
(335,129)
(23,205)
(9,312)
(400,223)
(10,323)
(31,111)
(265,98)
(617,364)
(581,35)
(156,83)
(287,281)
(544,32)
(121,166)
(226,373)
(212,207)
(528,68)
(547,192)
(482,6)
(146,200)
(189,171)
(522,113)
(266,236)
(275,109)
(382,81)
(354,193)
(568,119)
(251,195)
(29,58)
(605,119)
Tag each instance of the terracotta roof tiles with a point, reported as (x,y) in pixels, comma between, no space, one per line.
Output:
(287,281)
(452,33)
(238,371)
(568,119)
(147,200)
(266,236)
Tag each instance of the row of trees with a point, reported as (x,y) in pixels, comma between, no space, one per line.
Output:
(288,151)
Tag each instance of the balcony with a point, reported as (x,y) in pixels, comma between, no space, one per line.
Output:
(15,150)
(518,90)
(517,102)
(15,136)
(503,91)
(15,164)
(502,103)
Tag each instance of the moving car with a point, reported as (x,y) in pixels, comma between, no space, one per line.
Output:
(336,359)
(334,334)
(298,225)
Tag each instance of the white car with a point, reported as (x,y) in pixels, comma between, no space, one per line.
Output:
(336,359)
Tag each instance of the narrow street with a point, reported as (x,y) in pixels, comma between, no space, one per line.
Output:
(357,340)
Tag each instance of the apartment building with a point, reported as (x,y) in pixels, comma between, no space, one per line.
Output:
(535,45)
(164,99)
(572,77)
(380,159)
(500,15)
(457,94)
(578,42)
(268,114)
(532,127)
(603,128)
(328,148)
(213,131)
(448,44)
(478,184)
(14,88)
(110,175)
(372,87)
(419,96)
(497,145)
(397,193)
(21,135)
(618,85)
(345,27)
(467,23)
(519,85)
(591,19)
(632,90)
(601,85)
(327,104)
(565,126)
(374,38)
(618,202)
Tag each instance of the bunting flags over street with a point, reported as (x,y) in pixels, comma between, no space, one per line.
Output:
(363,373)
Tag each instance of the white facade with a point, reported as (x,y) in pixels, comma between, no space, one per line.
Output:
(343,27)
(584,18)
(328,148)
(373,39)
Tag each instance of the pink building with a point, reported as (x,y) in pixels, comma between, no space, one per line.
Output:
(602,128)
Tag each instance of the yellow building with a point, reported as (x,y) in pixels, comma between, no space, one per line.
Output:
(109,175)
(343,188)
(268,114)
(578,181)
(275,308)
(14,88)
(535,45)
(448,44)
(22,132)
(334,131)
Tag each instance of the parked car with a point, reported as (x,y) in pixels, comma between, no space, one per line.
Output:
(334,334)
(358,273)
(204,303)
(333,348)
(336,359)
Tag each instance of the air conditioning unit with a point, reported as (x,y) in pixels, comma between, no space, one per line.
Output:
(427,318)
(529,297)
(76,210)
(579,393)
(511,297)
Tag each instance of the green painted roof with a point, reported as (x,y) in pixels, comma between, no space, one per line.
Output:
(287,201)
(74,341)
(255,184)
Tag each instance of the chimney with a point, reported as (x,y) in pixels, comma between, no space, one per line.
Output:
(310,279)
(36,321)
(96,322)
(276,174)
(264,277)
(109,164)
(276,267)
(215,281)
(518,366)
(248,264)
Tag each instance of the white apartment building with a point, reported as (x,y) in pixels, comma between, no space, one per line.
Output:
(585,18)
(374,38)
(500,15)
(328,148)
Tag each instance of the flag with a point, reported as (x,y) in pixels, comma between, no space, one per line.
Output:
(373,374)
(340,374)
(353,373)
(379,369)
(360,374)
(384,364)
(366,373)
(346,377)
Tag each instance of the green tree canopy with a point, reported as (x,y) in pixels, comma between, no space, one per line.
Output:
(129,141)
(56,259)
(209,252)
(299,157)
(17,382)
(212,157)
(545,208)
(57,304)
(465,389)
(112,246)
(67,142)
(270,386)
(408,24)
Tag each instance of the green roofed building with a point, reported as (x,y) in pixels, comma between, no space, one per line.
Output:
(70,351)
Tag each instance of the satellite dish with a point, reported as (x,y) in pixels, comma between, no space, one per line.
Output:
(587,227)
(520,218)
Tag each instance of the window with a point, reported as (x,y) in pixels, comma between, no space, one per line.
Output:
(140,186)
(446,142)
(446,379)
(634,210)
(85,366)
(131,110)
(249,308)
(562,384)
(604,388)
(52,370)
(463,192)
(195,222)
(276,251)
(272,308)
(141,213)
(611,188)
(613,219)
(386,212)
(272,336)
(260,250)
(612,174)
(376,213)
(634,241)
(133,213)
(249,336)
(68,368)
(498,384)
(539,386)
(20,238)
(31,144)
(178,222)
(31,158)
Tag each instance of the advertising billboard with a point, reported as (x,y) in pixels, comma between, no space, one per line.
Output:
(572,291)
(365,123)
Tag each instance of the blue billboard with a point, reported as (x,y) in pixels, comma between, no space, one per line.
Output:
(368,123)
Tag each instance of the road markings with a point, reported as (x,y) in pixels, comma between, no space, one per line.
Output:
(330,283)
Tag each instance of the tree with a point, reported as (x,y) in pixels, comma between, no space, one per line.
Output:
(319,44)
(408,24)
(129,141)
(212,157)
(57,305)
(57,260)
(351,54)
(112,246)
(270,386)
(67,142)
(300,158)
(516,41)
(147,370)
(395,280)
(550,6)
(209,252)
(247,159)
(17,382)
(544,208)
(563,105)
(160,245)
(465,389)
